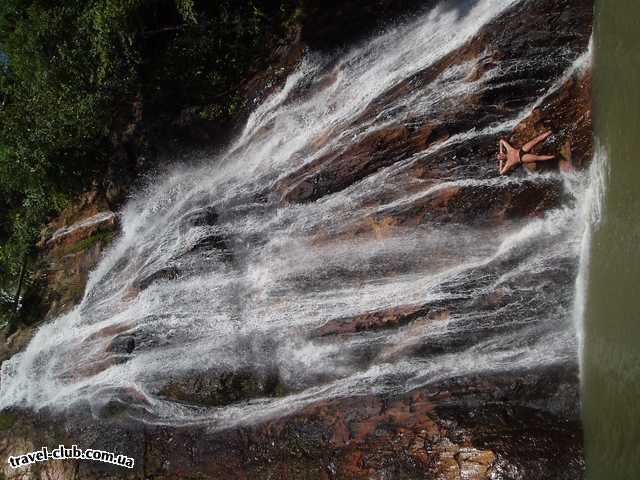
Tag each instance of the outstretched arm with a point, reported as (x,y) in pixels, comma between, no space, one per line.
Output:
(529,158)
(540,138)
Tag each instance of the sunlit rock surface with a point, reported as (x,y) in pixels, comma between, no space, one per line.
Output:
(351,291)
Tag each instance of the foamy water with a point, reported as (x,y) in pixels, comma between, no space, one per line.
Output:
(265,282)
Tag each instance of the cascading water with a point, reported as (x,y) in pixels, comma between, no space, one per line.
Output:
(592,205)
(215,273)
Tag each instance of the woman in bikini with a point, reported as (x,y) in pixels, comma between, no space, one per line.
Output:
(510,157)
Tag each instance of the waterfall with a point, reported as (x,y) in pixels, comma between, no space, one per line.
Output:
(220,269)
(593,200)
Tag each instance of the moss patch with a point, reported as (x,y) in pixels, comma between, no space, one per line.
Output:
(6,422)
(85,243)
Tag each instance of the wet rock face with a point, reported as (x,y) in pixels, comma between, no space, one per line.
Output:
(448,431)
(518,425)
(468,205)
(519,47)
(567,113)
(382,319)
(71,253)
(218,389)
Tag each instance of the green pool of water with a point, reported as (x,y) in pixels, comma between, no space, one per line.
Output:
(611,374)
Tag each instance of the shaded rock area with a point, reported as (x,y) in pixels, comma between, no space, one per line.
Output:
(516,425)
(26,433)
(335,23)
(451,430)
(217,389)
(168,273)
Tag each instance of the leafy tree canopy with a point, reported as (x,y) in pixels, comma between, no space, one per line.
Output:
(69,68)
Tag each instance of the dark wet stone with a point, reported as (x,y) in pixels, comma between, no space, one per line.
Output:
(167,273)
(206,216)
(123,344)
(213,388)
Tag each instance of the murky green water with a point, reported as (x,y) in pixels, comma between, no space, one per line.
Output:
(612,324)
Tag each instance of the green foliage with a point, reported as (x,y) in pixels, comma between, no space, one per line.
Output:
(88,242)
(71,70)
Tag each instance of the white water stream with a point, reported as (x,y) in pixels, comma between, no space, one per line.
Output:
(252,299)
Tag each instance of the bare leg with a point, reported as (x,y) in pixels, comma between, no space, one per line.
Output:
(532,143)
(529,158)
(505,147)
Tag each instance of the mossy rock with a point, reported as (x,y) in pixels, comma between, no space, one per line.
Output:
(82,245)
(7,420)
(218,389)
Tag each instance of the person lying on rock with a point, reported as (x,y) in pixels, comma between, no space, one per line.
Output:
(510,157)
